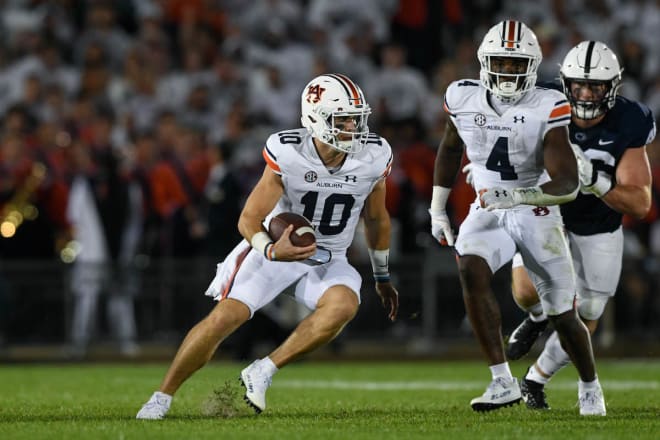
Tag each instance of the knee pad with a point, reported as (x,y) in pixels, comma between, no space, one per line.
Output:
(591,308)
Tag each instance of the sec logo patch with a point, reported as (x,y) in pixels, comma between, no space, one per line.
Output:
(311,176)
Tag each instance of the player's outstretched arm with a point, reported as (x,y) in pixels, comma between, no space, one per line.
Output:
(377,228)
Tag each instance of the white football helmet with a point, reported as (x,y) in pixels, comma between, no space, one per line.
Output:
(509,39)
(591,62)
(327,101)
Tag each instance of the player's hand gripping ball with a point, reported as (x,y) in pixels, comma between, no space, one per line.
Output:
(303,231)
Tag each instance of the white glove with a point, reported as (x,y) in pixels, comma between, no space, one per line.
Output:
(592,181)
(467,169)
(441,227)
(498,198)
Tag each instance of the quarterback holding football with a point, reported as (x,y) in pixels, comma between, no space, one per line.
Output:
(332,171)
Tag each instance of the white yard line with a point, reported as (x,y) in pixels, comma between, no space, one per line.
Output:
(448,385)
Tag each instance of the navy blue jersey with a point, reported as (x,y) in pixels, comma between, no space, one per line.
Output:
(628,124)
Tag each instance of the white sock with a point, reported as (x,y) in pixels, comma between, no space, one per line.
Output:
(501,370)
(268,366)
(553,358)
(162,398)
(534,375)
(536,313)
(588,386)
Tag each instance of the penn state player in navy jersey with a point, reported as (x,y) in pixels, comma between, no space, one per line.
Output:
(516,138)
(333,171)
(609,134)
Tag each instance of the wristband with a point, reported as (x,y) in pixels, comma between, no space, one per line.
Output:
(382,278)
(262,242)
(269,252)
(380,259)
(602,185)
(439,198)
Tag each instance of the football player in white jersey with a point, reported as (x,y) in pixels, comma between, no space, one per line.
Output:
(515,136)
(333,171)
(609,134)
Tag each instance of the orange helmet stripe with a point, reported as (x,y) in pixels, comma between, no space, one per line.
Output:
(354,91)
(511,33)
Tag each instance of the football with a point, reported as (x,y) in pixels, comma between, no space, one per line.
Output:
(303,231)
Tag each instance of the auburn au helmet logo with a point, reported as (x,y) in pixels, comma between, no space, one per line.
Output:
(314,93)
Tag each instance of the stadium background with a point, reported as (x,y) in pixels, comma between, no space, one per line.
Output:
(175,86)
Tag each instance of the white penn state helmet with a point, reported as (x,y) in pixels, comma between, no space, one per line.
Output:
(591,61)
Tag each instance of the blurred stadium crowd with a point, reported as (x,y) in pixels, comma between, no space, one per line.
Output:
(162,107)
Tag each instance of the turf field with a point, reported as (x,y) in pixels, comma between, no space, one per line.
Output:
(317,401)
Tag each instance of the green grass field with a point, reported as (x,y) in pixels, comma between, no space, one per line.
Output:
(317,401)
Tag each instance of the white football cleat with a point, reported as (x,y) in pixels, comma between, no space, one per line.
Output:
(256,381)
(501,392)
(156,408)
(592,402)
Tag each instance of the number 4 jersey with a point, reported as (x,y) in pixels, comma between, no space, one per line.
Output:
(331,200)
(505,150)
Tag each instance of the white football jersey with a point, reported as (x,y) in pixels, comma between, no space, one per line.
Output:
(331,201)
(506,150)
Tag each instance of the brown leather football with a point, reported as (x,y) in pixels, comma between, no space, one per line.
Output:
(303,231)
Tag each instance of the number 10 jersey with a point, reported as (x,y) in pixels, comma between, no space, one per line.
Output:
(331,200)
